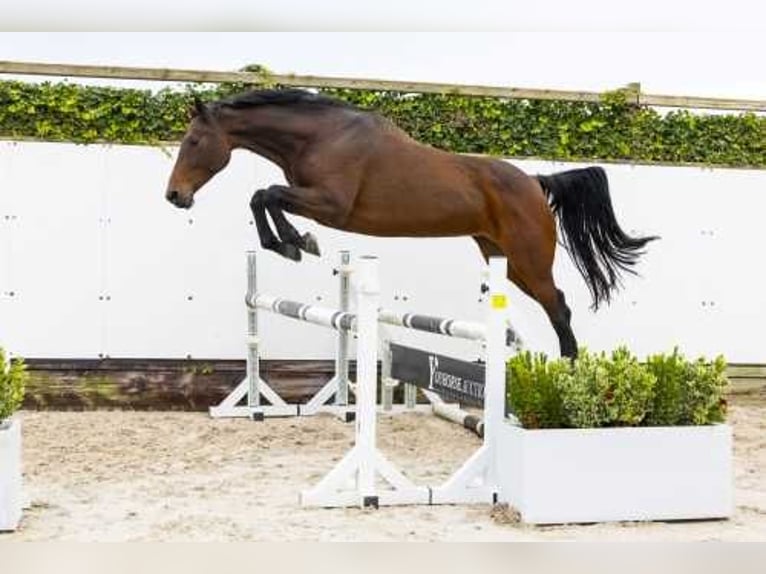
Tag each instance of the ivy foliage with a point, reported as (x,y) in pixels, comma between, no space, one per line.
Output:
(612,129)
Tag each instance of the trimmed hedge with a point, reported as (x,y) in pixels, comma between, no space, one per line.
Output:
(13,380)
(600,390)
(613,129)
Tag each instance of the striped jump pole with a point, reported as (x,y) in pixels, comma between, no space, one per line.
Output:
(457,328)
(305,312)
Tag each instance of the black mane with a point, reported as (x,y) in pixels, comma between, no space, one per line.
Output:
(286,97)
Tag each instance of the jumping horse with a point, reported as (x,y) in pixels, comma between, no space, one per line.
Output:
(354,170)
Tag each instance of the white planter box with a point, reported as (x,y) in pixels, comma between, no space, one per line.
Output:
(10,473)
(556,476)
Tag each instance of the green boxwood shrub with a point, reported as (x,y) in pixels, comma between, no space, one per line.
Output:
(535,399)
(600,390)
(687,392)
(13,379)
(612,129)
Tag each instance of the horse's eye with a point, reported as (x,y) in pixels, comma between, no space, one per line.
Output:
(193,141)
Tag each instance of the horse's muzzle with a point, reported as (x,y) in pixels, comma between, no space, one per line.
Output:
(179,200)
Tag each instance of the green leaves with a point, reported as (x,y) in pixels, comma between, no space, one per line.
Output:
(687,393)
(613,129)
(603,390)
(13,379)
(532,394)
(600,390)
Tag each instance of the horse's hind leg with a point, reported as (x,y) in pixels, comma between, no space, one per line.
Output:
(554,303)
(527,237)
(490,249)
(266,235)
(532,271)
(558,312)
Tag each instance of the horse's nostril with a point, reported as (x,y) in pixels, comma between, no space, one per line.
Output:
(173,196)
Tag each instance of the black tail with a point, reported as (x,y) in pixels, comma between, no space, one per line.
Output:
(600,249)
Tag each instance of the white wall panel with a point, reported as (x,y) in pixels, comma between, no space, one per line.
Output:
(92,221)
(55,196)
(168,269)
(6,238)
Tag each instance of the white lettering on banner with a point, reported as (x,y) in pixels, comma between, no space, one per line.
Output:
(447,381)
(433,364)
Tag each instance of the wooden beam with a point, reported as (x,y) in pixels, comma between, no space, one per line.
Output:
(434,88)
(204,76)
(694,102)
(746,371)
(159,384)
(308,81)
(126,73)
(194,385)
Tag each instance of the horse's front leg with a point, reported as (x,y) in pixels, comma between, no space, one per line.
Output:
(265,234)
(305,201)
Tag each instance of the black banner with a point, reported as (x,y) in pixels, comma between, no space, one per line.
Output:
(452,379)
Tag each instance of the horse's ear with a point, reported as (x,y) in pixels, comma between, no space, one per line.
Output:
(198,109)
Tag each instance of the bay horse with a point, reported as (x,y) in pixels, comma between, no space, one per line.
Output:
(354,170)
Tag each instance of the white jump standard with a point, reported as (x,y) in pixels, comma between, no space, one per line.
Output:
(477,479)
(253,388)
(352,481)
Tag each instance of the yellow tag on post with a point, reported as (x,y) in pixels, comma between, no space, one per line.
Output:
(498,301)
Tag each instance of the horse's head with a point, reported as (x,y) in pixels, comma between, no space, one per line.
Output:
(205,150)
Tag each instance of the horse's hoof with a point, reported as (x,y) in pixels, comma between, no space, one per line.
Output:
(310,245)
(291,251)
